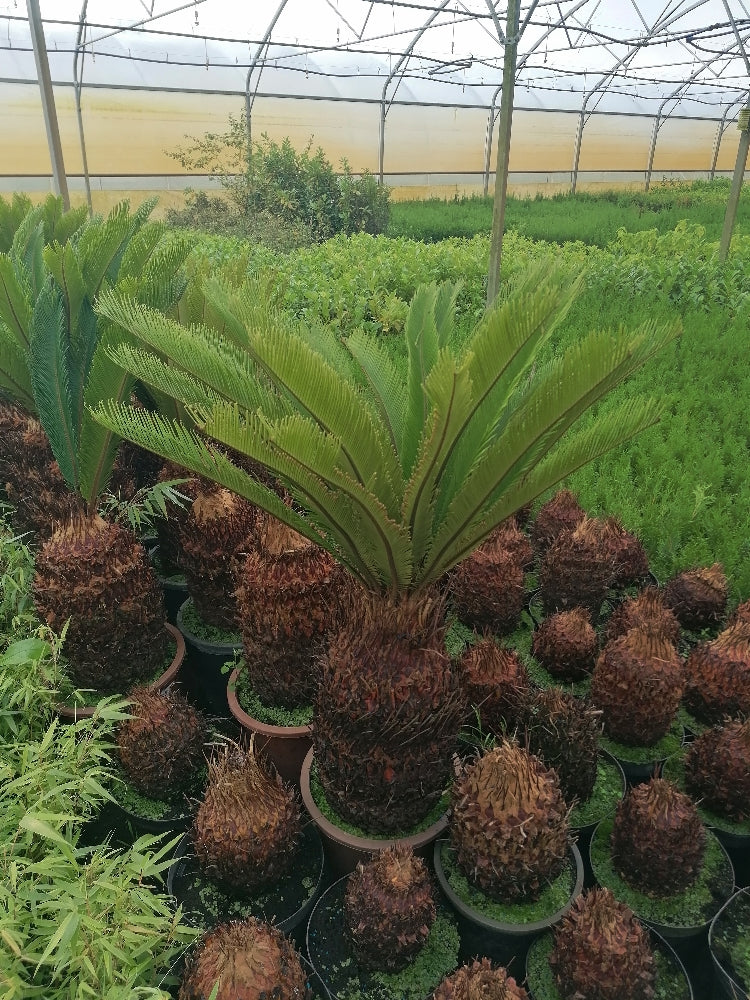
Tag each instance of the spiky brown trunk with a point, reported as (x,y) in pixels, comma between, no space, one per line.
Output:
(98,575)
(387,714)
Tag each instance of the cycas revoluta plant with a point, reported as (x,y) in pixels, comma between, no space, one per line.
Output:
(398,482)
(717,769)
(390,909)
(480,980)
(602,952)
(509,824)
(95,572)
(718,676)
(658,839)
(244,960)
(247,827)
(566,644)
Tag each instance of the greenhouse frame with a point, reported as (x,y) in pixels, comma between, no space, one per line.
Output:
(606,93)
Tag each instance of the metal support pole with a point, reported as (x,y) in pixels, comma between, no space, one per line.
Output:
(739,174)
(503,150)
(652,149)
(77,83)
(48,102)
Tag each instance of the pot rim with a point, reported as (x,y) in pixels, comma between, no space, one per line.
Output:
(367,845)
(743,891)
(255,725)
(519,930)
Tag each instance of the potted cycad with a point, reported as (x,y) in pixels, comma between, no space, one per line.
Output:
(91,571)
(397,481)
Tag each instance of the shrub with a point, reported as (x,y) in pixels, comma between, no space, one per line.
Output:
(279,196)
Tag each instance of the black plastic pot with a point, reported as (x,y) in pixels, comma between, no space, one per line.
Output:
(332,959)
(727,979)
(679,936)
(657,943)
(205,661)
(287,903)
(175,591)
(504,942)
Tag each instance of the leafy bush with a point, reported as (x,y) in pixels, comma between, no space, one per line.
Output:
(280,197)
(76,921)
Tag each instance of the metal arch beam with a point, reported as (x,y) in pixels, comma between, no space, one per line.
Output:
(249,101)
(661,23)
(77,84)
(403,59)
(721,129)
(673,96)
(582,114)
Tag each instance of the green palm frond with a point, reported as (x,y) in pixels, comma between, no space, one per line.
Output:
(15,302)
(15,377)
(12,214)
(50,378)
(398,481)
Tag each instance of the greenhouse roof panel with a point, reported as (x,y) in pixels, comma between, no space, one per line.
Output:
(687,57)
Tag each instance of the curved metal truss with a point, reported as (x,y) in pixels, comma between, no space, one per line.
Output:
(661,59)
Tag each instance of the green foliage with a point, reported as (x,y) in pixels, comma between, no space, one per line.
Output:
(278,186)
(141,511)
(49,332)
(57,224)
(594,218)
(16,574)
(76,921)
(399,486)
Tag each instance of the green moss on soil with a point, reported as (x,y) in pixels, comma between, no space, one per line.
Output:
(544,679)
(194,624)
(175,578)
(671,983)
(316,790)
(674,769)
(666,747)
(175,806)
(553,898)
(269,715)
(608,790)
(691,908)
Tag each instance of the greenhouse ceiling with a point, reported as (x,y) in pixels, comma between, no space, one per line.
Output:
(645,57)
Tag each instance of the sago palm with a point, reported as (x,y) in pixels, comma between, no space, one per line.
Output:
(399,478)
(89,570)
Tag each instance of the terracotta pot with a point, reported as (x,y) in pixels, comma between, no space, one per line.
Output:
(71,713)
(285,746)
(344,850)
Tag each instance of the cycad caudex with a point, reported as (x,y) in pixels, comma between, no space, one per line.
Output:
(398,480)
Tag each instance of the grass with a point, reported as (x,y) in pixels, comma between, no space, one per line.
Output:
(592,218)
